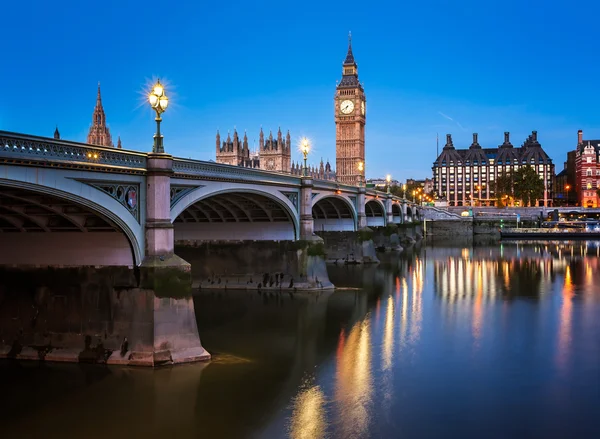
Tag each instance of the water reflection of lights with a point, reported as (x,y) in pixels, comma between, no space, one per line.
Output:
(388,335)
(564,329)
(308,419)
(387,356)
(354,386)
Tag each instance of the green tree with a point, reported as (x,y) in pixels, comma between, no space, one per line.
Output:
(503,188)
(528,186)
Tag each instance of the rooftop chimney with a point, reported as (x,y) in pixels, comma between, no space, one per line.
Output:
(534,136)
(475,138)
(506,137)
(579,137)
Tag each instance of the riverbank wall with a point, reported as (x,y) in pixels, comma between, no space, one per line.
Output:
(472,228)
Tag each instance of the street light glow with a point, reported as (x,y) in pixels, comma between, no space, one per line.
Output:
(158,98)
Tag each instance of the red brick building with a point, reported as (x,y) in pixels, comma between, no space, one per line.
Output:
(587,171)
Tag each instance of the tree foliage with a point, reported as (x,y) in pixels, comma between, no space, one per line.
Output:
(503,188)
(527,185)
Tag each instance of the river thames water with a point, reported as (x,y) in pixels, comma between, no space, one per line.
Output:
(486,342)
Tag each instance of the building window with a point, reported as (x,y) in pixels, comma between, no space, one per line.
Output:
(588,172)
(589,160)
(589,185)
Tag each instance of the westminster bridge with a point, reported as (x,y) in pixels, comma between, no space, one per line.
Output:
(79,208)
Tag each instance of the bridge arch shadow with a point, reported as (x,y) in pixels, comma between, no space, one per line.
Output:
(234,214)
(50,227)
(375,213)
(333,213)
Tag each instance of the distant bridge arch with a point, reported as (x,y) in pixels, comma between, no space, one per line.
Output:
(229,211)
(334,213)
(375,213)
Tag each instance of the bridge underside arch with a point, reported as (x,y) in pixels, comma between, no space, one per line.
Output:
(375,214)
(333,214)
(409,214)
(38,228)
(235,216)
(396,213)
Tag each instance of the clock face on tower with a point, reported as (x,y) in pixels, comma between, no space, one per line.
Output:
(362,107)
(347,107)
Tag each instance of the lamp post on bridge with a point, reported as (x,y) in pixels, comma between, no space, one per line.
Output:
(305,148)
(158,101)
(361,168)
(388,179)
(404,191)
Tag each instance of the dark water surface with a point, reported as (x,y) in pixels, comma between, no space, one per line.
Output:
(490,342)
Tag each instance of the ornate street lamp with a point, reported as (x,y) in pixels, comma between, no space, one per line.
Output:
(567,187)
(361,168)
(305,148)
(404,191)
(158,101)
(388,178)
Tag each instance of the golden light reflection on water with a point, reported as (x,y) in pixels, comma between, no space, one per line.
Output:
(564,327)
(354,382)
(388,335)
(387,356)
(309,420)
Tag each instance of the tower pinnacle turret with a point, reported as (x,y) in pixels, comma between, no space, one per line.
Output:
(99,133)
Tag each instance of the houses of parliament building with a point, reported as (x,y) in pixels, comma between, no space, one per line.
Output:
(274,154)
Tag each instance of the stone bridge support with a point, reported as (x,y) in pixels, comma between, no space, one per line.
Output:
(405,218)
(172,336)
(362,216)
(389,215)
(306,216)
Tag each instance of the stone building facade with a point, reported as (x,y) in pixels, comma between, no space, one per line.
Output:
(274,154)
(587,171)
(467,176)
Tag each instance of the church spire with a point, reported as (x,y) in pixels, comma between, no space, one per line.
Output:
(349,56)
(99,133)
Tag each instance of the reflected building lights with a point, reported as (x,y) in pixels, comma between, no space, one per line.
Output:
(354,386)
(308,419)
(564,326)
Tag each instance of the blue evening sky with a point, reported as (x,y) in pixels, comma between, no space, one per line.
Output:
(428,67)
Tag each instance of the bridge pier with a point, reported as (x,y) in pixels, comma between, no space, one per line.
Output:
(389,215)
(306,216)
(166,276)
(362,216)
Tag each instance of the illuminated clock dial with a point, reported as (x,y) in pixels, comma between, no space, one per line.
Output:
(347,107)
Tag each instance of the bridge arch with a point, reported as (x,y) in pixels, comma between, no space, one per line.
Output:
(235,213)
(375,213)
(409,213)
(397,213)
(333,213)
(38,224)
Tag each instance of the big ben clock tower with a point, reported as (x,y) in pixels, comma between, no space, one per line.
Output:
(350,117)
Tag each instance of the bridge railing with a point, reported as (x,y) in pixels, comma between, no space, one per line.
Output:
(219,171)
(45,150)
